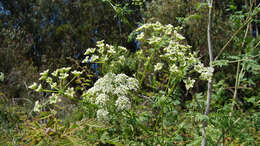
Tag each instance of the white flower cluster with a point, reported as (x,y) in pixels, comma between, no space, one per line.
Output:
(156,31)
(102,115)
(138,2)
(2,76)
(122,103)
(170,49)
(113,89)
(37,106)
(205,72)
(54,98)
(58,87)
(103,52)
(189,83)
(158,66)
(102,100)
(70,92)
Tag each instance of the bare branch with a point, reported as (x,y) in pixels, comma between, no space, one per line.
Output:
(209,92)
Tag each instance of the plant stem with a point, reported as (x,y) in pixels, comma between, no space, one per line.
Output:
(209,92)
(173,87)
(162,119)
(239,73)
(147,65)
(69,82)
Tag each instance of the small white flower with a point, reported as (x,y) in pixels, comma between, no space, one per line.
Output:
(132,84)
(101,50)
(54,99)
(94,58)
(104,84)
(86,59)
(39,89)
(37,107)
(44,75)
(154,40)
(122,48)
(123,103)
(90,91)
(101,100)
(49,80)
(121,78)
(158,28)
(63,76)
(102,115)
(169,28)
(140,36)
(174,68)
(158,66)
(2,76)
(70,92)
(199,67)
(65,69)
(111,50)
(76,73)
(90,51)
(33,86)
(55,73)
(100,44)
(53,85)
(121,90)
(121,59)
(207,73)
(178,36)
(189,83)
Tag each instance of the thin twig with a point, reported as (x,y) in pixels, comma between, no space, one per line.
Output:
(233,36)
(245,59)
(224,132)
(239,72)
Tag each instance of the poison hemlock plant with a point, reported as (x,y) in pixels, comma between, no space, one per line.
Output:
(169,55)
(163,52)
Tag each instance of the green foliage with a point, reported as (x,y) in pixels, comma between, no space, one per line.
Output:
(152,96)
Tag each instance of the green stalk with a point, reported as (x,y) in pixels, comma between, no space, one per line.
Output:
(170,78)
(238,72)
(147,63)
(50,91)
(162,119)
(69,82)
(173,87)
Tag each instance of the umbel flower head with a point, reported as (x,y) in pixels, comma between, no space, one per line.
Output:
(103,52)
(54,98)
(110,82)
(112,91)
(102,115)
